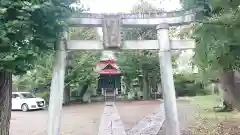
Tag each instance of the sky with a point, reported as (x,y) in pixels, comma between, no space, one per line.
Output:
(113,6)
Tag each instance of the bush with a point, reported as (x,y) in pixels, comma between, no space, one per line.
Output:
(45,96)
(187,85)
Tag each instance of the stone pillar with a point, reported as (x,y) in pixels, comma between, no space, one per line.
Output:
(57,88)
(169,96)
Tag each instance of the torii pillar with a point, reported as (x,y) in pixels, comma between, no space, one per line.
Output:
(166,71)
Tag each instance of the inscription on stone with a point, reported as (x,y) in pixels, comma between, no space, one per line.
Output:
(112,35)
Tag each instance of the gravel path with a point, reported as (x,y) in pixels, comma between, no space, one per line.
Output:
(80,119)
(132,112)
(150,124)
(185,115)
(76,120)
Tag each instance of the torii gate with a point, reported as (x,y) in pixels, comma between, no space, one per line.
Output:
(112,34)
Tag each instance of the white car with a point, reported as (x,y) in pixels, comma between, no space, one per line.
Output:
(26,101)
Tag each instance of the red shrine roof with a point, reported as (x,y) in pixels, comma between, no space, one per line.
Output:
(107,67)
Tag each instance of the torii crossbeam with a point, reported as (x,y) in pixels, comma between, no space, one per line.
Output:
(139,20)
(112,39)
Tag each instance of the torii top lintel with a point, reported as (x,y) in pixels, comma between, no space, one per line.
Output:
(151,19)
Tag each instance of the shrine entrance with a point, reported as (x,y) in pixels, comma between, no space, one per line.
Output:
(109,80)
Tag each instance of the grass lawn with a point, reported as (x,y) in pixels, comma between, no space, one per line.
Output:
(208,122)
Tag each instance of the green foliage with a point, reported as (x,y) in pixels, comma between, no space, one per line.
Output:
(82,63)
(217,41)
(45,96)
(39,77)
(214,5)
(79,69)
(137,66)
(82,33)
(132,63)
(28,29)
(142,66)
(188,85)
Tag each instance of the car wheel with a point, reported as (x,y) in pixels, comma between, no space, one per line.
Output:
(24,107)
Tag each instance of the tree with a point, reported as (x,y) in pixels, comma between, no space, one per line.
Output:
(79,69)
(141,65)
(28,29)
(39,76)
(217,44)
(81,74)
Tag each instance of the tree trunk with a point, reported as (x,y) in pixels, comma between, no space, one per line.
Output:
(232,93)
(128,85)
(5,101)
(141,83)
(66,98)
(84,88)
(67,90)
(226,100)
(145,86)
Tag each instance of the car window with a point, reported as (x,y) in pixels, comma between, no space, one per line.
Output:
(15,95)
(28,95)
